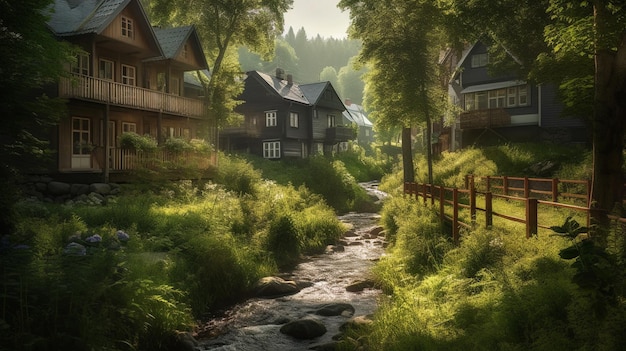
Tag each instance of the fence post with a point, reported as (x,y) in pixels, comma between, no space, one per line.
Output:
(488,183)
(505,185)
(488,209)
(455,215)
(472,194)
(555,189)
(432,195)
(425,189)
(442,202)
(467,177)
(531,217)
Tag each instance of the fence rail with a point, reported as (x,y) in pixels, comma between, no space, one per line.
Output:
(486,189)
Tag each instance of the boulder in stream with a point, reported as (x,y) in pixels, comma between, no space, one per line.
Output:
(272,287)
(304,329)
(360,285)
(336,309)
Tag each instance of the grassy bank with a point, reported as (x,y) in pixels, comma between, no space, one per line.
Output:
(132,274)
(496,290)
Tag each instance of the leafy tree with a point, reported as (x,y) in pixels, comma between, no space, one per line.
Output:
(31,59)
(350,83)
(224,25)
(329,74)
(400,41)
(579,45)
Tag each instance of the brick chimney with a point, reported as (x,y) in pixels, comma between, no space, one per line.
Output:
(348,102)
(290,79)
(280,73)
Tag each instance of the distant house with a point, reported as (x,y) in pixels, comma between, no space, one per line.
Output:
(357,115)
(286,119)
(504,108)
(129,78)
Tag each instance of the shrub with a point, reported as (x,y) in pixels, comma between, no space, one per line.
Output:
(284,241)
(237,175)
(177,145)
(134,141)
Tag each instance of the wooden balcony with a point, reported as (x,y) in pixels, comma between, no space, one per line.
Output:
(339,133)
(100,90)
(482,119)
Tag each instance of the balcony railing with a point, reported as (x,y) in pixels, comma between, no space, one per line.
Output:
(129,160)
(101,90)
(339,134)
(488,118)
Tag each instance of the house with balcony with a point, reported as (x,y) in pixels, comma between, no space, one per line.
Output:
(286,119)
(503,108)
(128,77)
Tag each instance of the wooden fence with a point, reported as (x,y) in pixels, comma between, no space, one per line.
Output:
(549,192)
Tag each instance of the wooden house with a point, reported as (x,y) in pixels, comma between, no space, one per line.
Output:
(358,116)
(286,119)
(129,77)
(503,108)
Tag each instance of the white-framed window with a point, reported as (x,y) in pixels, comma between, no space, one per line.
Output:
(106,69)
(522,94)
(497,98)
(128,75)
(128,28)
(511,97)
(294,119)
(129,127)
(331,121)
(480,60)
(271,149)
(270,119)
(81,136)
(82,65)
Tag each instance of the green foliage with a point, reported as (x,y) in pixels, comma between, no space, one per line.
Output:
(177,145)
(238,175)
(134,141)
(284,241)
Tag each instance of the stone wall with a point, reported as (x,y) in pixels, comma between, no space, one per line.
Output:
(46,189)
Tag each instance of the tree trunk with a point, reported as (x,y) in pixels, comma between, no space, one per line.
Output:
(608,126)
(407,155)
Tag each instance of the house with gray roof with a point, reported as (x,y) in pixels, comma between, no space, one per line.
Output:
(356,114)
(128,77)
(286,119)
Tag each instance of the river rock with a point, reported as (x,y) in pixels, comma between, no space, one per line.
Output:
(376,231)
(360,285)
(100,188)
(272,287)
(350,233)
(335,248)
(331,346)
(304,329)
(79,189)
(336,309)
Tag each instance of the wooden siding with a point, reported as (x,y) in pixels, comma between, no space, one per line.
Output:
(140,37)
(100,90)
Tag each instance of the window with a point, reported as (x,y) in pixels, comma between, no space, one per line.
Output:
(270,119)
(129,127)
(480,60)
(185,133)
(293,119)
(82,65)
(497,98)
(161,81)
(81,136)
(106,69)
(331,121)
(184,53)
(128,75)
(128,29)
(271,149)
(511,97)
(522,93)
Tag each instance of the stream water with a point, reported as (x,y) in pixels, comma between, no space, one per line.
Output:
(255,324)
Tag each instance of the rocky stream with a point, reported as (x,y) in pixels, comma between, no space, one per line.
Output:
(309,307)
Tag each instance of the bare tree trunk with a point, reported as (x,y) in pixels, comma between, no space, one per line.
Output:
(407,155)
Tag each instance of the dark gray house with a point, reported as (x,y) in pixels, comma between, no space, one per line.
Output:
(286,119)
(503,108)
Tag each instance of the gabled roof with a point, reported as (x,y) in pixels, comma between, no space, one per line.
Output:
(74,17)
(172,41)
(282,87)
(314,91)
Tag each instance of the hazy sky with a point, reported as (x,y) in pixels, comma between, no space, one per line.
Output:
(318,17)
